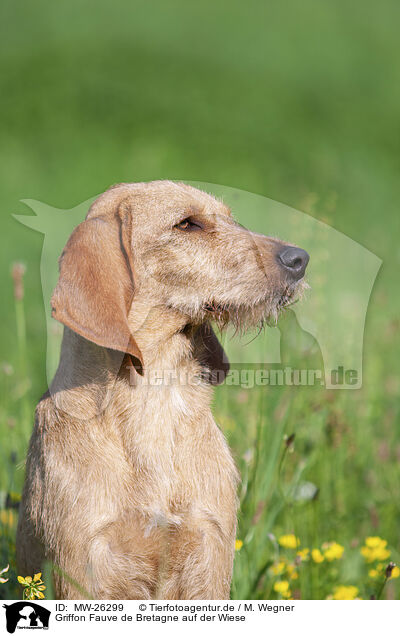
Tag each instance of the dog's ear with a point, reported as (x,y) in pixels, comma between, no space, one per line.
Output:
(96,284)
(211,354)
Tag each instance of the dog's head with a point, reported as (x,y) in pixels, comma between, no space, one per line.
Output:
(170,247)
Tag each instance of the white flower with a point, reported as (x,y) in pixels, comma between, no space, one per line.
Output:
(3,572)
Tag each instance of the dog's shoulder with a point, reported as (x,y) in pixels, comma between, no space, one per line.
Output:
(45,403)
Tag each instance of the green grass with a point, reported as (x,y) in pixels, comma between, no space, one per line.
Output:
(295,101)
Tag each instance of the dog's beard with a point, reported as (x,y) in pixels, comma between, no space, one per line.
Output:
(242,315)
(257,314)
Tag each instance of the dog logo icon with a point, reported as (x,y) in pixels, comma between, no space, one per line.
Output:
(26,615)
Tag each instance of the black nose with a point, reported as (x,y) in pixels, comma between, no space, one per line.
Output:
(294,260)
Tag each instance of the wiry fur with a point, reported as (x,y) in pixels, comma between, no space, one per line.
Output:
(130,488)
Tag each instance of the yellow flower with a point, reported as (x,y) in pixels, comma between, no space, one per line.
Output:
(289,541)
(278,567)
(333,551)
(395,572)
(238,545)
(27,580)
(375,542)
(316,555)
(304,554)
(33,587)
(345,593)
(366,552)
(373,574)
(282,588)
(7,517)
(15,496)
(375,549)
(382,555)
(291,570)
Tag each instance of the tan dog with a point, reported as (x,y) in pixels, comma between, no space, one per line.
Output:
(130,486)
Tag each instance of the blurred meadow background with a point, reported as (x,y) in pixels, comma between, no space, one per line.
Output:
(298,102)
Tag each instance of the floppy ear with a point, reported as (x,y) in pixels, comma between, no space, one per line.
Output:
(95,288)
(211,354)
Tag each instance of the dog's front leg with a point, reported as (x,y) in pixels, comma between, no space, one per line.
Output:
(201,561)
(123,562)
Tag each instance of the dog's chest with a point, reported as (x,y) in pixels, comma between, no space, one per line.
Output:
(168,422)
(179,457)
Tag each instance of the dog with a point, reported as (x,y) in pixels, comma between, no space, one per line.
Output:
(130,487)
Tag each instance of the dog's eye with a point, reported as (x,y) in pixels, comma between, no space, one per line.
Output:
(189,225)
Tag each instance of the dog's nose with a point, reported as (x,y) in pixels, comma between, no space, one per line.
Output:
(294,260)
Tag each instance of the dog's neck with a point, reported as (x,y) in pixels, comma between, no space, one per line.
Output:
(87,375)
(160,335)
